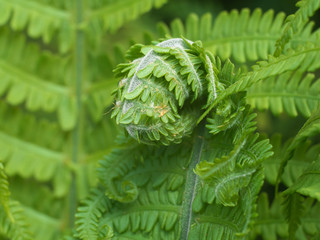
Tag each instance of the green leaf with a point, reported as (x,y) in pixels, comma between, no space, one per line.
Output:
(309,129)
(293,205)
(290,92)
(89,214)
(16,229)
(296,22)
(308,183)
(4,192)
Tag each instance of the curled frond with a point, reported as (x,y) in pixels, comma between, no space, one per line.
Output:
(113,168)
(158,95)
(89,214)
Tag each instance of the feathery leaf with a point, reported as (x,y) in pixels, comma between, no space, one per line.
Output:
(290,92)
(296,22)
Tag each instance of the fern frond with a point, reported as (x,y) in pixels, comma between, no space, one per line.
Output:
(157,200)
(41,225)
(113,168)
(290,92)
(293,209)
(305,58)
(308,183)
(89,214)
(4,192)
(31,151)
(296,22)
(168,200)
(38,84)
(44,220)
(309,129)
(55,19)
(154,90)
(156,209)
(300,160)
(40,18)
(17,228)
(242,35)
(271,223)
(210,224)
(229,174)
(114,14)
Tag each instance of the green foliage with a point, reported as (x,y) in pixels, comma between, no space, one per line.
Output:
(242,35)
(55,85)
(294,211)
(296,21)
(12,218)
(290,92)
(171,193)
(195,161)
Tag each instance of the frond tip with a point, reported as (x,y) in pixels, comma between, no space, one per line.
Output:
(89,214)
(159,93)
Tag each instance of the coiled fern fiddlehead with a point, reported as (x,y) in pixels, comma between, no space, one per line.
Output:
(163,89)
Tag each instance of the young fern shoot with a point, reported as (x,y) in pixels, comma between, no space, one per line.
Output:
(197,167)
(163,89)
(175,191)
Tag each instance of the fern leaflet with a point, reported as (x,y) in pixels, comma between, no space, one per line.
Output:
(293,210)
(296,22)
(309,129)
(290,92)
(4,192)
(89,214)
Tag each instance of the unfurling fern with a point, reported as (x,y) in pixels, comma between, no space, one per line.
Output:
(162,90)
(178,191)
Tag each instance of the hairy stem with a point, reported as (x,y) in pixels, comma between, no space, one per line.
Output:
(191,184)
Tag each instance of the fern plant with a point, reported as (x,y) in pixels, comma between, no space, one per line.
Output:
(193,161)
(205,182)
(55,84)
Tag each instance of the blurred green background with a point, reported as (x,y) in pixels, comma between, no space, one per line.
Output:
(169,11)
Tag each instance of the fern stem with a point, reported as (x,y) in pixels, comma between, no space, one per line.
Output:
(191,184)
(76,134)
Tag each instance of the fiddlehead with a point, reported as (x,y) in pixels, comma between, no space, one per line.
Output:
(161,89)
